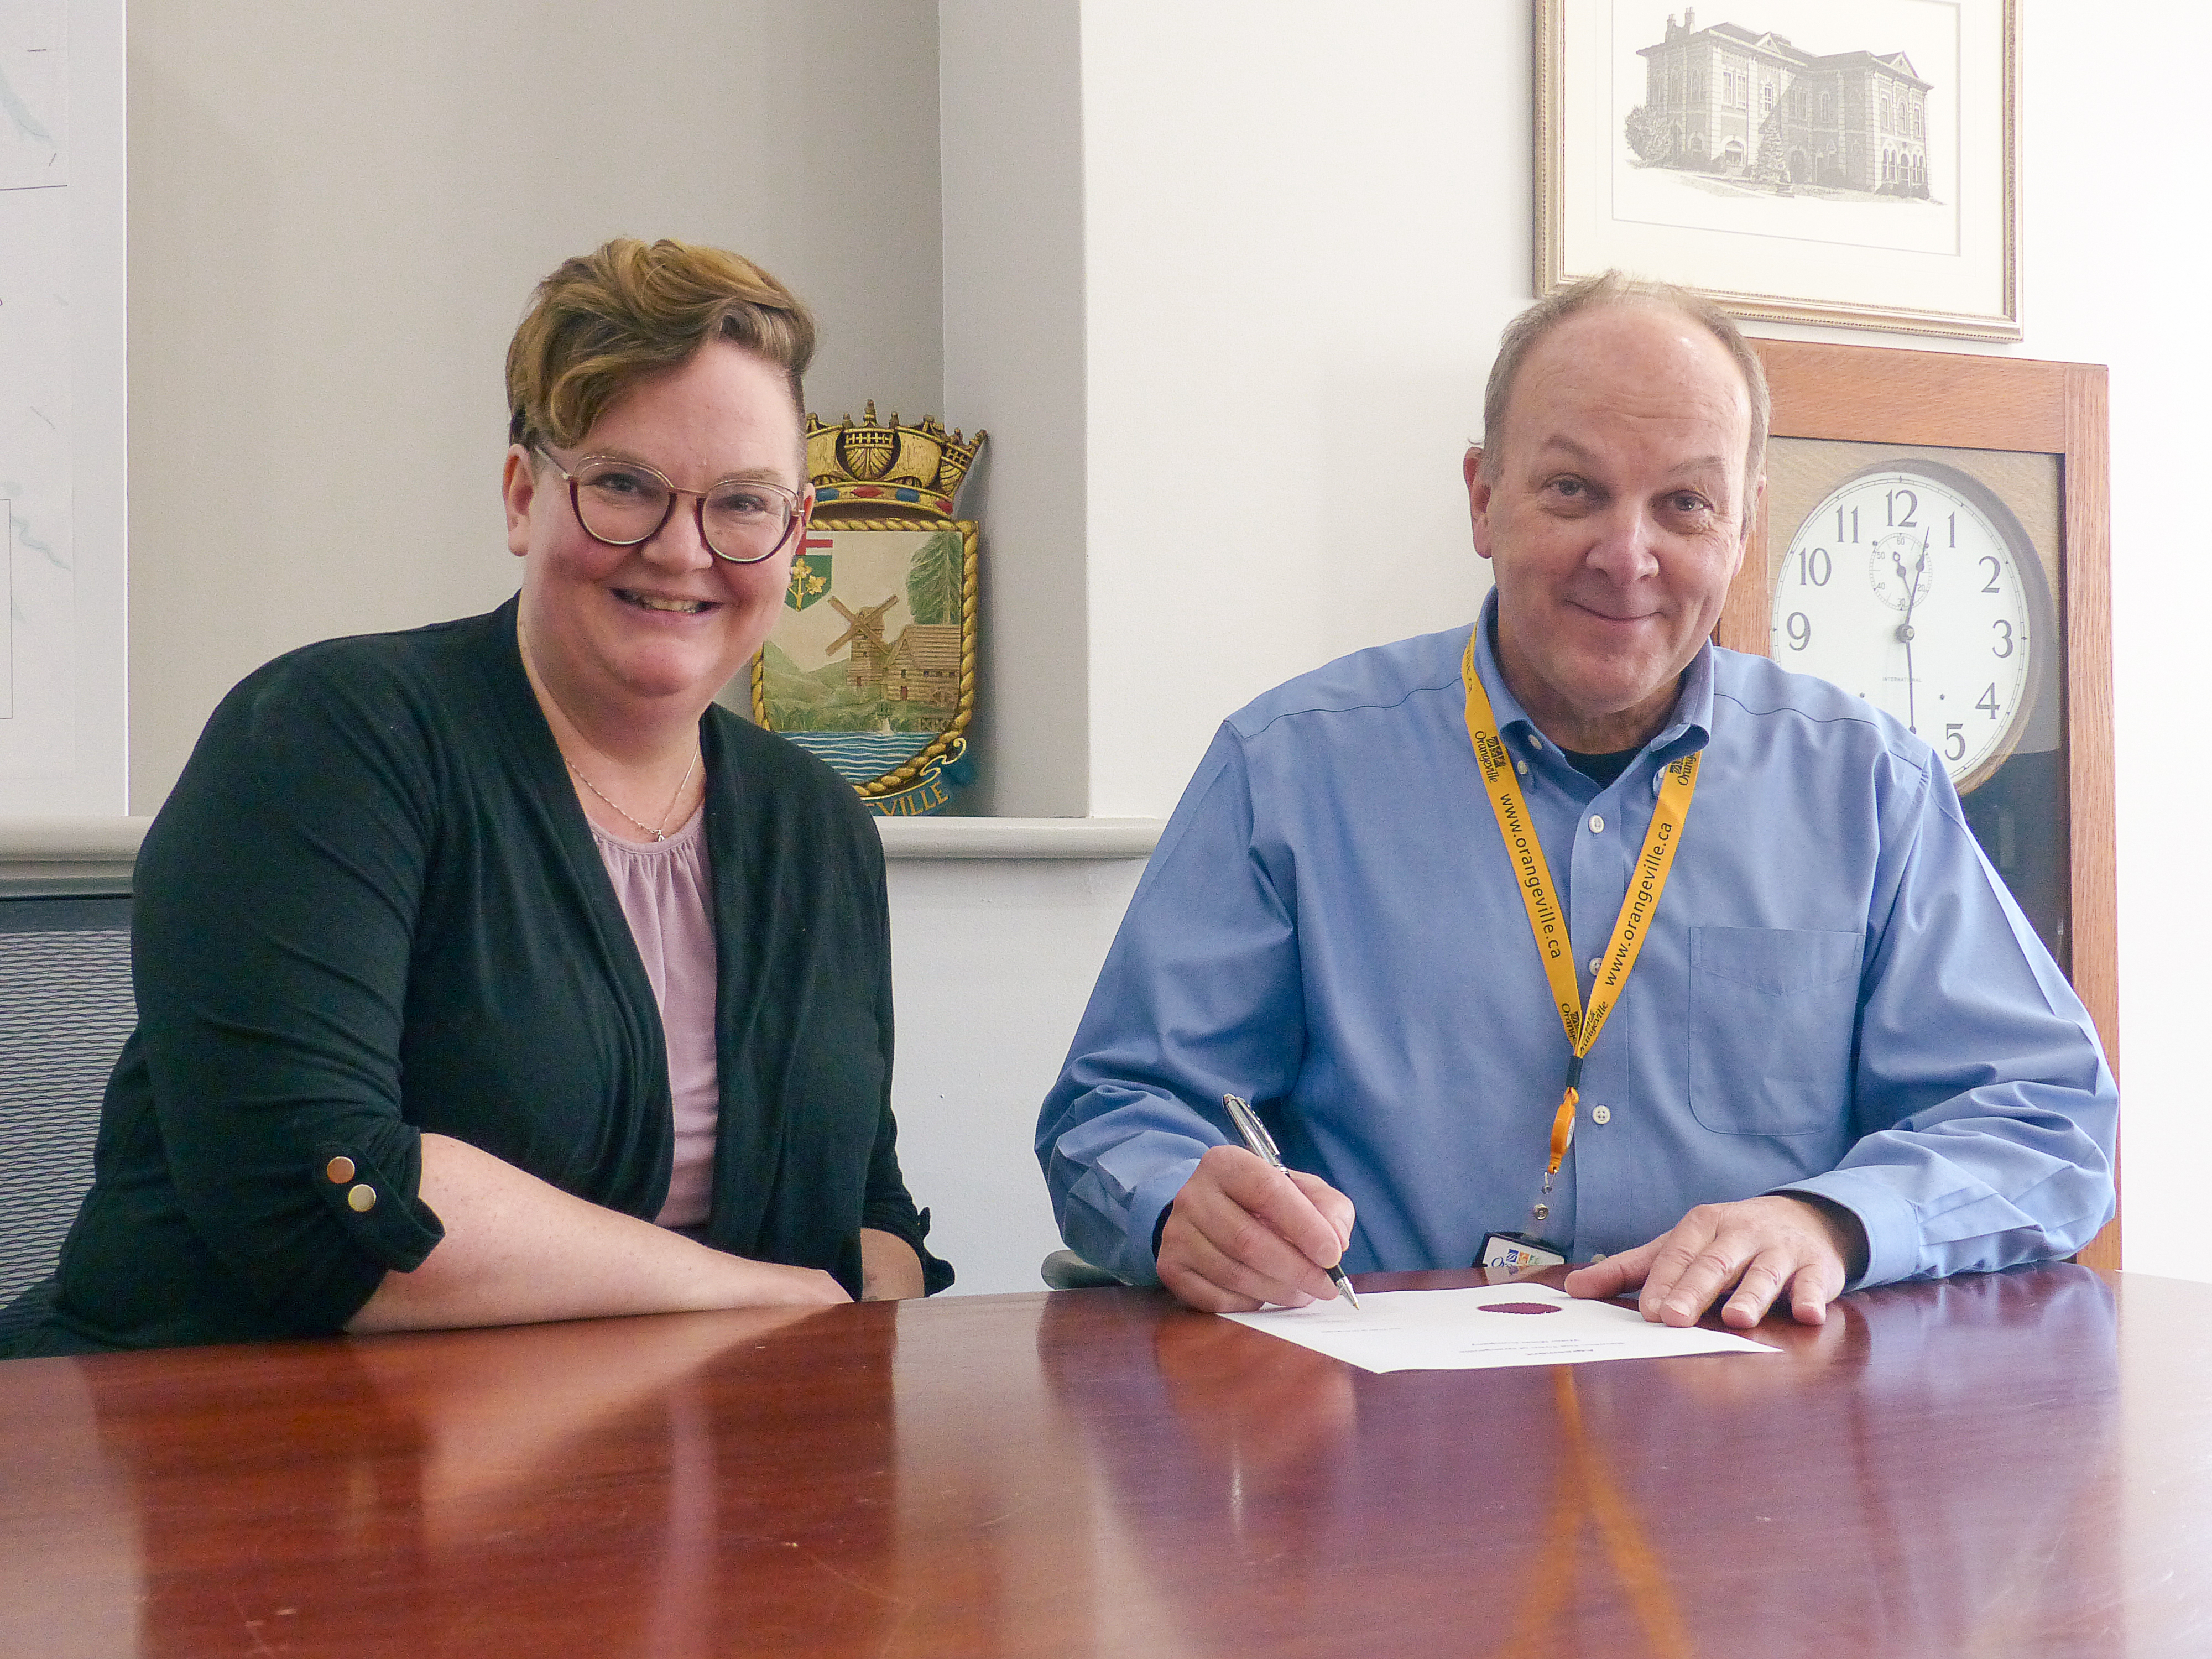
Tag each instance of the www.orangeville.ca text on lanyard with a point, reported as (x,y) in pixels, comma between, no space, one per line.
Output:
(1545,919)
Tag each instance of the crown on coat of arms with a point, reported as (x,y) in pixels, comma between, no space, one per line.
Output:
(865,466)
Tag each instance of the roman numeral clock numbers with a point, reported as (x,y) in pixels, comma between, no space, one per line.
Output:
(1910,587)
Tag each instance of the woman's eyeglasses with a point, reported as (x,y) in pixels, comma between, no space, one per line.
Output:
(624,503)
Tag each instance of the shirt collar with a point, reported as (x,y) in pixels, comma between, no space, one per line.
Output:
(1689,726)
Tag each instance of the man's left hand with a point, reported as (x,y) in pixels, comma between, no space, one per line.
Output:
(1757,1248)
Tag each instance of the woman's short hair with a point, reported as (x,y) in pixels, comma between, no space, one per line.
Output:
(605,320)
(1523,333)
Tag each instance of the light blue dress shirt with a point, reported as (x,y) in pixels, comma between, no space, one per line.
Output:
(1839,997)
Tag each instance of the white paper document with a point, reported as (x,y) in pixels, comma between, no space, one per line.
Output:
(1483,1328)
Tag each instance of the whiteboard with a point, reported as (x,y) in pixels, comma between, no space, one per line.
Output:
(64,617)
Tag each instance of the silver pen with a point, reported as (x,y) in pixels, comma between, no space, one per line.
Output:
(1263,1147)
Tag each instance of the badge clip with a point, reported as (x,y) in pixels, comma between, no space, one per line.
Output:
(1517,1252)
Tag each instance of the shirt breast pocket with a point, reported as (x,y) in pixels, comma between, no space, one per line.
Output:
(1772,1015)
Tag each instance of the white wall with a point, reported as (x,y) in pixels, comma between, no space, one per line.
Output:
(1010,103)
(65,707)
(994,963)
(338,212)
(1296,277)
(2116,252)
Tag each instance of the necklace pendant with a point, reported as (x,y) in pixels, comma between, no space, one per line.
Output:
(659,833)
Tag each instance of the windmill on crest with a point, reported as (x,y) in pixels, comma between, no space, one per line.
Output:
(864,630)
(886,703)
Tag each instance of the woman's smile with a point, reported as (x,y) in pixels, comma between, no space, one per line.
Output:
(664,602)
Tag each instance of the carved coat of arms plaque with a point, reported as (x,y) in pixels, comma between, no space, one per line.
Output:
(871,664)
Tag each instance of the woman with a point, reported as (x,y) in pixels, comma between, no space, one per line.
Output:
(490,972)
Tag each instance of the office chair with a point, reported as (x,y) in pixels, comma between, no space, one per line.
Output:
(65,1007)
(1064,1270)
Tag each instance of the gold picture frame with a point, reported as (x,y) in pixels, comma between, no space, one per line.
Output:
(1801,165)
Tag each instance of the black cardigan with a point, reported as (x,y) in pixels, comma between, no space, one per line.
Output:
(372,906)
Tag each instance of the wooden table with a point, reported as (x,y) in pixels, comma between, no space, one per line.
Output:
(2013,1465)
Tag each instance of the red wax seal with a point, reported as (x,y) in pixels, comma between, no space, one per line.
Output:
(1519,1307)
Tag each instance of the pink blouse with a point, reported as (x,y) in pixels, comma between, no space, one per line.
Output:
(666,894)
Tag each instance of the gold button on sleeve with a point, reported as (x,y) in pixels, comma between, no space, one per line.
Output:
(361,1198)
(339,1170)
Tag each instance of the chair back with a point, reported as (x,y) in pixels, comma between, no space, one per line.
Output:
(1064,1270)
(65,1007)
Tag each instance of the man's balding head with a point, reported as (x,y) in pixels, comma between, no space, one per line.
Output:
(1526,331)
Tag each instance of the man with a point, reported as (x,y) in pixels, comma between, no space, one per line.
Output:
(1833,1054)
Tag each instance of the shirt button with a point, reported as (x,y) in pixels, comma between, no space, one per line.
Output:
(1597,824)
(1596,962)
(1600,1114)
(1535,743)
(339,1170)
(1522,767)
(361,1200)
(1597,1255)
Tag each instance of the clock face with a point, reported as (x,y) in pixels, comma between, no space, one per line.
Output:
(1912,586)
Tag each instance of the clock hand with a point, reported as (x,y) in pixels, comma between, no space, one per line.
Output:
(1912,707)
(1905,628)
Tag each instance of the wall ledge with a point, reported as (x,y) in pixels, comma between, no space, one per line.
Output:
(57,857)
(948,837)
(70,839)
(69,847)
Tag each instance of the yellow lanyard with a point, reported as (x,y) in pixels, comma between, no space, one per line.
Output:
(1645,885)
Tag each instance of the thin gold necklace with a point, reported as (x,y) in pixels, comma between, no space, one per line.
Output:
(659,832)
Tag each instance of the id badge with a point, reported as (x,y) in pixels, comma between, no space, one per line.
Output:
(1517,1252)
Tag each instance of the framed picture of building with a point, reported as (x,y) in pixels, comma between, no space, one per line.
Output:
(1796,160)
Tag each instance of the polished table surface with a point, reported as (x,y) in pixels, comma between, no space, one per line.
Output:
(2019,1464)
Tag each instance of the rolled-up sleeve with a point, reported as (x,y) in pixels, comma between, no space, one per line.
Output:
(276,907)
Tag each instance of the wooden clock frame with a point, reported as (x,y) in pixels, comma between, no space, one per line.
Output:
(1875,395)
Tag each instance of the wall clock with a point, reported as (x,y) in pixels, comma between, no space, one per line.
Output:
(1914,585)
(1933,538)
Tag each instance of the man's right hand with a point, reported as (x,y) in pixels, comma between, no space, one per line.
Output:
(1241,1234)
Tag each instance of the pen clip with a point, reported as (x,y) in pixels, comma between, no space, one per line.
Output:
(1253,1131)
